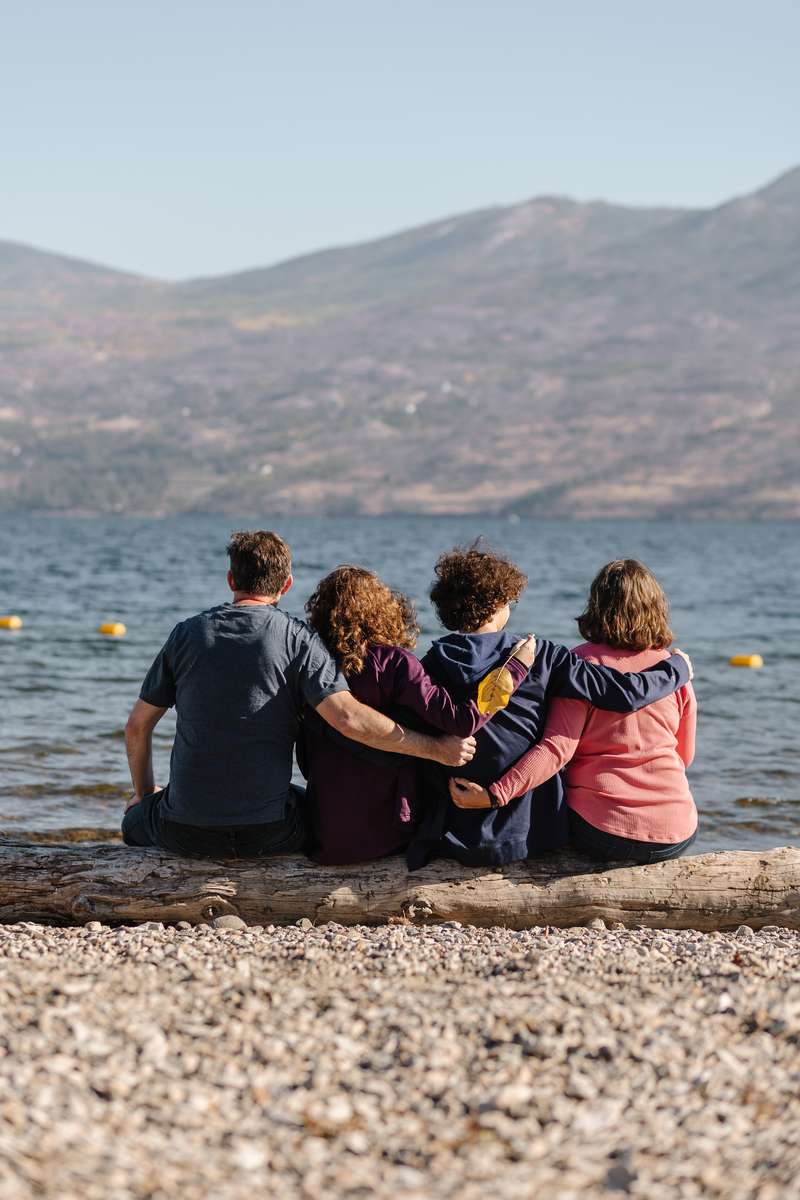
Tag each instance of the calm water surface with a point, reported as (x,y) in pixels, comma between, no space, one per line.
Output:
(65,691)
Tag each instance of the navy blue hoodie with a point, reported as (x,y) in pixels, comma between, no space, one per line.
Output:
(536,821)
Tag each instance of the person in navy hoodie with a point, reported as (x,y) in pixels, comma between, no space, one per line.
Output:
(473,594)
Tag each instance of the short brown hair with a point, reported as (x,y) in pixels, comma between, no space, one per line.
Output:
(626,608)
(353,607)
(261,562)
(471,584)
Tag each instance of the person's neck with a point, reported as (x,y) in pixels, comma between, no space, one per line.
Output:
(243,598)
(490,627)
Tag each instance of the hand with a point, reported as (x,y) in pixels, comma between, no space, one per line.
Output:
(688,662)
(466,794)
(133,800)
(525,650)
(454,751)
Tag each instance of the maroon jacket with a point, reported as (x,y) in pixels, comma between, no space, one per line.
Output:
(364,805)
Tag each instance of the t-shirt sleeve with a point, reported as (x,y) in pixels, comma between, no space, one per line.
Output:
(319,677)
(158,688)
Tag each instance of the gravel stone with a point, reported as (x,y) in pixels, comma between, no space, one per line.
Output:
(229,921)
(420,1062)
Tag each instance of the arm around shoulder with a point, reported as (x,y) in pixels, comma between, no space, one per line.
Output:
(363,724)
(575,678)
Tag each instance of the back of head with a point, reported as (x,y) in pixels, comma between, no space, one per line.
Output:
(471,584)
(626,608)
(261,562)
(352,607)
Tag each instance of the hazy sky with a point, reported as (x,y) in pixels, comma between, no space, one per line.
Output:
(181,138)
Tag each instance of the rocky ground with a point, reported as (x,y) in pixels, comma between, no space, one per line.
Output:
(399,1062)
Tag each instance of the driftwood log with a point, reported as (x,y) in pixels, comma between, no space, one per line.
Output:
(76,883)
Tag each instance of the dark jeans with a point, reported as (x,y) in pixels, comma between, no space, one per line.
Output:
(607,847)
(145,825)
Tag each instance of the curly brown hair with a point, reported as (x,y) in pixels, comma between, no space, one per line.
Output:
(471,584)
(353,607)
(626,608)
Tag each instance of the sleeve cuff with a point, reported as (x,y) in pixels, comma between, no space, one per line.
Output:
(682,667)
(496,794)
(332,690)
(518,670)
(156,700)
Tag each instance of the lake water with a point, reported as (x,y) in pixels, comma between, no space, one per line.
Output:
(65,690)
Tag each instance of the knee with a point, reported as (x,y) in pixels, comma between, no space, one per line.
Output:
(128,835)
(133,832)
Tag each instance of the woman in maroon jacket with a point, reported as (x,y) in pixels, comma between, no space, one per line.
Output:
(362,804)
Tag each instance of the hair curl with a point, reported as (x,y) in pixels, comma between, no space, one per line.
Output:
(353,607)
(471,584)
(626,608)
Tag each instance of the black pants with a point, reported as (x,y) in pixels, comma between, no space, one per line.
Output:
(145,825)
(607,847)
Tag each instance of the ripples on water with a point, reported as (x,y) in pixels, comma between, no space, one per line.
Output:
(65,690)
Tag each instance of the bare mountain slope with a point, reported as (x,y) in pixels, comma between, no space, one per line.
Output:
(551,357)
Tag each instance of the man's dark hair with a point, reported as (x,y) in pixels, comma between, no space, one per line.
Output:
(471,584)
(260,562)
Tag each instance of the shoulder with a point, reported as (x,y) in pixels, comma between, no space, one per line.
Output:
(299,634)
(548,652)
(295,626)
(555,656)
(621,659)
(394,654)
(393,659)
(592,651)
(191,627)
(200,620)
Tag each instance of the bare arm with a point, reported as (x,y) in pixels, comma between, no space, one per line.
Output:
(139,746)
(363,724)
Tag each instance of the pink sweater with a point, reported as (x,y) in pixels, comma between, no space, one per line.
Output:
(627,773)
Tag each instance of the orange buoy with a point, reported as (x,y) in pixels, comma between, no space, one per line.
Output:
(747,660)
(112,629)
(12,622)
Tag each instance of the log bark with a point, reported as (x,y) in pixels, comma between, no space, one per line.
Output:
(73,884)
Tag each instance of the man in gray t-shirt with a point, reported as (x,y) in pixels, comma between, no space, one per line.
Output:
(239,676)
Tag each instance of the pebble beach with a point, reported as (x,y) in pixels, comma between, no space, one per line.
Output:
(398,1061)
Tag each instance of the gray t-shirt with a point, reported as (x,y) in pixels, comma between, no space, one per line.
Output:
(239,677)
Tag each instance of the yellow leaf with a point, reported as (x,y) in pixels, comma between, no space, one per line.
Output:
(495,690)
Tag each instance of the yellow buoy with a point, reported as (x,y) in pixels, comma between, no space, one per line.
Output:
(113,629)
(12,622)
(747,660)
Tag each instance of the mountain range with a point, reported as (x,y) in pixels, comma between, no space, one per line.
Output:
(550,358)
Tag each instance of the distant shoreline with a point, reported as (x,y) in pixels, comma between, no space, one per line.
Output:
(510,517)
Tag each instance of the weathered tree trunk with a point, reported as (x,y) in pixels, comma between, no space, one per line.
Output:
(73,884)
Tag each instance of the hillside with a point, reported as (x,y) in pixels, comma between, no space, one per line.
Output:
(550,358)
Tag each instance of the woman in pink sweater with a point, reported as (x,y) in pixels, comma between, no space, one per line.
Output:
(626,785)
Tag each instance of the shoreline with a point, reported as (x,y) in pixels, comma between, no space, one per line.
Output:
(442,1061)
